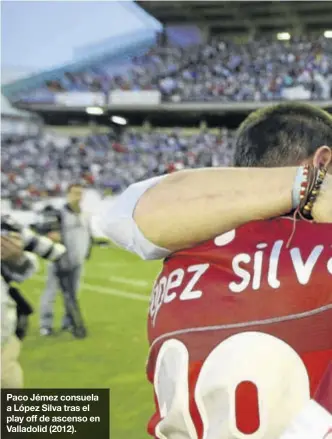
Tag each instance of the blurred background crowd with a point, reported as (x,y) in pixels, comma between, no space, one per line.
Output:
(256,70)
(45,166)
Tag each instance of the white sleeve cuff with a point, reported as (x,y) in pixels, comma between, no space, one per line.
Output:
(115,221)
(313,422)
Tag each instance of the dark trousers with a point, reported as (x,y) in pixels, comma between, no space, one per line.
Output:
(68,281)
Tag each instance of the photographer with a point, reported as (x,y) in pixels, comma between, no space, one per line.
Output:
(70,226)
(16,265)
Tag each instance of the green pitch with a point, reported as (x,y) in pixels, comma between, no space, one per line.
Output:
(114,299)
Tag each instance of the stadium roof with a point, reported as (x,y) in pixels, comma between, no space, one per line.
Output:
(241,16)
(117,49)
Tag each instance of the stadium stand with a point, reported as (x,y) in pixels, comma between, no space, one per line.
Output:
(196,60)
(231,54)
(259,70)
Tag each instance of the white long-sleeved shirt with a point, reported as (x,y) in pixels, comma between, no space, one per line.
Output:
(116,222)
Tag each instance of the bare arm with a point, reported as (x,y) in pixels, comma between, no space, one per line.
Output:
(193,206)
(156,217)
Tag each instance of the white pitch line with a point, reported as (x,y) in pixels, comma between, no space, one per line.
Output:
(112,264)
(123,280)
(134,282)
(107,291)
(112,292)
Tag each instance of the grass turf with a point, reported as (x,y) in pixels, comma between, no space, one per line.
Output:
(114,299)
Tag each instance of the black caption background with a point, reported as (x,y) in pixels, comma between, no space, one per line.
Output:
(84,430)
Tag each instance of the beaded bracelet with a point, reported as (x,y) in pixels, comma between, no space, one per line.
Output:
(310,190)
(306,190)
(299,186)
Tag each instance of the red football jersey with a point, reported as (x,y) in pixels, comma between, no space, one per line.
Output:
(240,332)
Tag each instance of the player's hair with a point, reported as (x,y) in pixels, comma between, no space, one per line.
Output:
(282,135)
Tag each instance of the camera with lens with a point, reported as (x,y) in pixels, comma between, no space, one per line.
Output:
(9,225)
(33,242)
(48,221)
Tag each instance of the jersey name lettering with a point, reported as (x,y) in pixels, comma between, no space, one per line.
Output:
(263,262)
(264,265)
(163,290)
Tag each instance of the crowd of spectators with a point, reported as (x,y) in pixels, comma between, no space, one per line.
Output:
(257,70)
(223,70)
(35,168)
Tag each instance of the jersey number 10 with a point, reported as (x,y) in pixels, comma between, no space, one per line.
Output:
(269,364)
